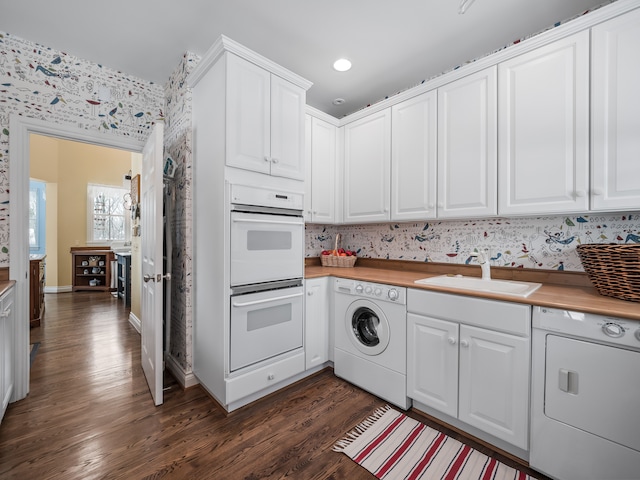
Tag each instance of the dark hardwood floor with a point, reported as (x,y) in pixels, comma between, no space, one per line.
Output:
(89,414)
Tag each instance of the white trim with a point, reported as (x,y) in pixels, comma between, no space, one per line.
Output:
(225,44)
(314,112)
(20,129)
(57,289)
(135,322)
(186,380)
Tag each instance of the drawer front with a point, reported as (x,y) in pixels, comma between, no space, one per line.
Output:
(242,385)
(506,317)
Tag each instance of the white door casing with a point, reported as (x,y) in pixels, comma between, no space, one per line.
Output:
(152,265)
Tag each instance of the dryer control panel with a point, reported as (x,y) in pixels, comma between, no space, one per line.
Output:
(377,291)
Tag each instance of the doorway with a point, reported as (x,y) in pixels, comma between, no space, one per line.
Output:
(20,150)
(86,194)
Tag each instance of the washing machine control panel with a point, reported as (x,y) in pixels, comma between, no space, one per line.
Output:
(378,291)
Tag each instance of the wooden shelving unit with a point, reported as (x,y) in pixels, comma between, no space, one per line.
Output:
(36,289)
(91,268)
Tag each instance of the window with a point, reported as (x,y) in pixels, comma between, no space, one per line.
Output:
(36,217)
(106,212)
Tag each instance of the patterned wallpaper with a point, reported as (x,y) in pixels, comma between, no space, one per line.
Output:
(178,141)
(43,83)
(531,242)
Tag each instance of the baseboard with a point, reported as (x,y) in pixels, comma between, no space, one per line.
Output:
(135,322)
(185,379)
(56,289)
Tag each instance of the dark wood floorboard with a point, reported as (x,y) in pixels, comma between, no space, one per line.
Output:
(89,414)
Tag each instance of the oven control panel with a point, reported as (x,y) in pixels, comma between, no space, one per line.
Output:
(378,291)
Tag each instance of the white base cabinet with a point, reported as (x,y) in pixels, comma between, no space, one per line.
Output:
(316,322)
(7,328)
(469,358)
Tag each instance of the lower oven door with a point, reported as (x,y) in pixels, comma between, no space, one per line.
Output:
(265,324)
(266,247)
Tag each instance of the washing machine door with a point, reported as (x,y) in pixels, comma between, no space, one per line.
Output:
(367,327)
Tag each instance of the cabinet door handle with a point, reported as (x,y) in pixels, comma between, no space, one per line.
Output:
(451,340)
(464,343)
(5,313)
(267,159)
(274,160)
(580,193)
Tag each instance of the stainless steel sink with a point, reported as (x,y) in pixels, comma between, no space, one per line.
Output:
(505,287)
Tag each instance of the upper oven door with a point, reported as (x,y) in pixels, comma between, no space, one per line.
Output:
(266,248)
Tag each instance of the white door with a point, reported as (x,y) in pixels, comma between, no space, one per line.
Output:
(413,158)
(467,146)
(367,168)
(248,140)
(494,383)
(316,331)
(543,129)
(323,165)
(615,114)
(287,129)
(432,363)
(152,268)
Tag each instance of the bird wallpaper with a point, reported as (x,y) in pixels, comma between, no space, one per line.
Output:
(530,242)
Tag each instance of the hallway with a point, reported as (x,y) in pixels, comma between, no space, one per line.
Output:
(90,415)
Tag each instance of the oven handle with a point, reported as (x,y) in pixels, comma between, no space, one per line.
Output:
(266,300)
(279,222)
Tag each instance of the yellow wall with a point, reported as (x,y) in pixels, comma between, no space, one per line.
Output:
(77,165)
(136,258)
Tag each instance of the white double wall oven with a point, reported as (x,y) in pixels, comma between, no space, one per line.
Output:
(266,270)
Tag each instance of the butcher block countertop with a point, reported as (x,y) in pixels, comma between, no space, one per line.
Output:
(564,290)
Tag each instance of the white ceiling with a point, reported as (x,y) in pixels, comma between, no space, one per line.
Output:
(393,45)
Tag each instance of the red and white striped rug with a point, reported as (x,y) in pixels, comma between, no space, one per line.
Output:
(393,446)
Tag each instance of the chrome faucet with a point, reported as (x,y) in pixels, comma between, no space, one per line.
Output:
(483,260)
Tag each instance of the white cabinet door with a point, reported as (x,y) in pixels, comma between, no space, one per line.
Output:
(323,166)
(543,134)
(316,332)
(467,146)
(367,168)
(414,157)
(615,114)
(248,112)
(432,363)
(287,129)
(494,383)
(265,121)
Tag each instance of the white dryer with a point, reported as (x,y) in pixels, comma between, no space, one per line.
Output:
(371,338)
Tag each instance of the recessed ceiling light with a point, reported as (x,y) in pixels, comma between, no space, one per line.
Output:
(339,101)
(342,65)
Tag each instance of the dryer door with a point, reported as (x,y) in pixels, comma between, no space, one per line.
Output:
(367,327)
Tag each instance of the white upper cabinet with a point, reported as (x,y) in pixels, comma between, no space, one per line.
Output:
(321,167)
(467,153)
(615,114)
(265,121)
(414,157)
(367,168)
(543,147)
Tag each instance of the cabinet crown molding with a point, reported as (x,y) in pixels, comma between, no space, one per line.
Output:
(225,44)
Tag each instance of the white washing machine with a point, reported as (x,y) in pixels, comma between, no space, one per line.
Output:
(371,338)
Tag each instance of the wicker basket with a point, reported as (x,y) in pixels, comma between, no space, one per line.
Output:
(335,260)
(614,269)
